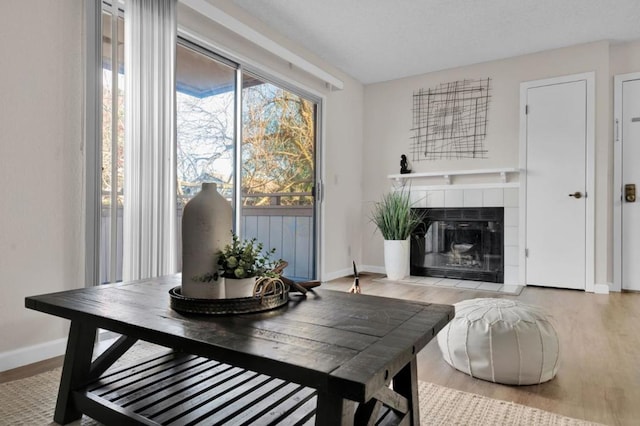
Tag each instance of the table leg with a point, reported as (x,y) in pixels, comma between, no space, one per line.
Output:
(334,410)
(75,370)
(406,384)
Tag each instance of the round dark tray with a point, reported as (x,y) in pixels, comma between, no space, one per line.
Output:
(240,305)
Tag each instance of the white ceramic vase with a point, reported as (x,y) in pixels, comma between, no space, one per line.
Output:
(206,229)
(396,258)
(239,287)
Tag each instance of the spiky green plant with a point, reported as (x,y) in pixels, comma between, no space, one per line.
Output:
(393,216)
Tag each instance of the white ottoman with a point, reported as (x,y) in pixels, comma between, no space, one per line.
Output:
(502,341)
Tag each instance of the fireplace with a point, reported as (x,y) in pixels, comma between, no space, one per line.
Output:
(460,243)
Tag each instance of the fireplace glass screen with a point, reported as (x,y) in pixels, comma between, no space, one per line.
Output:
(461,243)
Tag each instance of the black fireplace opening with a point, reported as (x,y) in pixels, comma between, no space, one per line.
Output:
(461,243)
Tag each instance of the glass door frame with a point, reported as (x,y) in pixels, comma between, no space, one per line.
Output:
(317,191)
(255,71)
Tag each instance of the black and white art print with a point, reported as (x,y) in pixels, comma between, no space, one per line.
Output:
(450,120)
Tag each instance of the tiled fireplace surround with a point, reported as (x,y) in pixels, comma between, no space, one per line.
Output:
(507,197)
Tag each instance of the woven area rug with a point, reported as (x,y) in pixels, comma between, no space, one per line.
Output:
(444,406)
(31,401)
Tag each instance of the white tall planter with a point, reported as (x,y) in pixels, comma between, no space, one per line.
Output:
(207,222)
(396,258)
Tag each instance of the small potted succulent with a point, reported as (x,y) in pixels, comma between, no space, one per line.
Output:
(240,263)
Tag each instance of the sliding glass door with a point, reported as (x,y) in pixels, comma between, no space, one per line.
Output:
(278,173)
(255,138)
(206,124)
(266,168)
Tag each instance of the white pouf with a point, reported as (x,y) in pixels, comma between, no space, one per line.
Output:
(502,341)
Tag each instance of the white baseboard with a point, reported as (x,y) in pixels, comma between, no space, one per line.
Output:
(349,271)
(24,356)
(337,274)
(373,268)
(602,288)
(40,352)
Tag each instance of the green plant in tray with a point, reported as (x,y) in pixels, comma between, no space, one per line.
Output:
(245,259)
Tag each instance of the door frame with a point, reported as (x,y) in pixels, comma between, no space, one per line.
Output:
(617,176)
(589,78)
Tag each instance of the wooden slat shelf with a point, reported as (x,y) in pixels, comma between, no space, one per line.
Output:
(180,389)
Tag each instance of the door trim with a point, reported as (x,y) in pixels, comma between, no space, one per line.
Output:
(589,78)
(617,177)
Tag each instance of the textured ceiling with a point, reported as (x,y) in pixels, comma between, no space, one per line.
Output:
(379,40)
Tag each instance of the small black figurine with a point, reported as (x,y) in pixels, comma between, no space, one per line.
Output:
(355,288)
(403,165)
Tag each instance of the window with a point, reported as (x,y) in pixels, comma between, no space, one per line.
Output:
(112,157)
(205,122)
(258,144)
(278,173)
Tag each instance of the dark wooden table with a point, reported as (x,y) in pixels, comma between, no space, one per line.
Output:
(329,357)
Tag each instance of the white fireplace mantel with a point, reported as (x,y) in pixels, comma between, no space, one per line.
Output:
(448,176)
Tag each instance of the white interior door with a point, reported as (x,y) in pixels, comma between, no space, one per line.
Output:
(556,183)
(630,140)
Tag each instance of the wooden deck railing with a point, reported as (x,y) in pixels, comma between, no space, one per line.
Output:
(288,229)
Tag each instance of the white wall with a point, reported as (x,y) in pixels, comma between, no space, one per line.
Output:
(388,120)
(41,166)
(625,58)
(343,180)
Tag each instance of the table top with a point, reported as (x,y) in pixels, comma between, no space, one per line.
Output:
(347,344)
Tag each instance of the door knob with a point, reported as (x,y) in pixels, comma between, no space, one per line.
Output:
(576,195)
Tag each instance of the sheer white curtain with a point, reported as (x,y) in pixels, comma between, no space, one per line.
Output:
(149,214)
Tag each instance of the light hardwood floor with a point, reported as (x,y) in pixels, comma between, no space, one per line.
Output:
(599,374)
